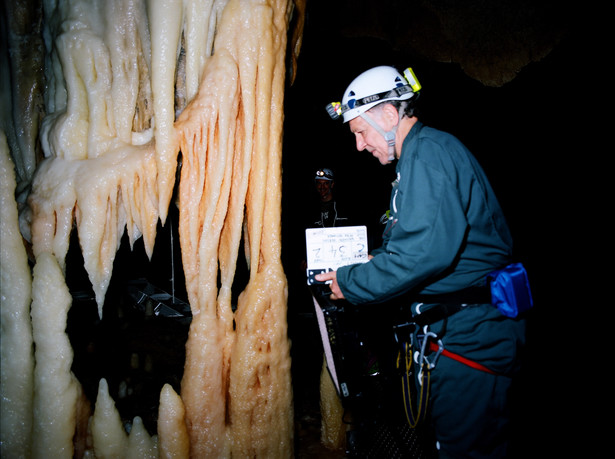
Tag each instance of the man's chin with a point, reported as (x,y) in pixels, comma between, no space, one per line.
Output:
(381,159)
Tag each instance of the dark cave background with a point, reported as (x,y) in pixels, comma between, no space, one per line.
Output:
(518,83)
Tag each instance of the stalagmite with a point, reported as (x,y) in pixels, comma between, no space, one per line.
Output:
(140,444)
(333,429)
(108,435)
(172,432)
(56,390)
(17,360)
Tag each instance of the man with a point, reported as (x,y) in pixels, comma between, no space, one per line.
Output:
(325,213)
(328,215)
(445,233)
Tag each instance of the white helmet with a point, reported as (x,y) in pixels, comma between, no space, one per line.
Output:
(372,87)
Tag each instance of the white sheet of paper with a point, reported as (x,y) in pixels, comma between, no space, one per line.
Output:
(330,248)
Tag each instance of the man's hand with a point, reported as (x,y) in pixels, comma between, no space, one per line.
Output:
(336,293)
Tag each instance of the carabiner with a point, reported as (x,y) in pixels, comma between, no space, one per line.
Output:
(422,356)
(425,363)
(408,329)
(431,365)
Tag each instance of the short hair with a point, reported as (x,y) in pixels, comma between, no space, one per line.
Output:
(408,107)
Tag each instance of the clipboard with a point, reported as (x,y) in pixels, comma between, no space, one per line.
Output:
(330,248)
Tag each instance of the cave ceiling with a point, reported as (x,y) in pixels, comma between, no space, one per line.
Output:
(491,40)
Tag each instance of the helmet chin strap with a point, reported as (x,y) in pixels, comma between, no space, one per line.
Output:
(388,136)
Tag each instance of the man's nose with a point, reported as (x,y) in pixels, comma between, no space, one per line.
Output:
(360,143)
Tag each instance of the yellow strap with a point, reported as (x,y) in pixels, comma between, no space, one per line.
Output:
(405,382)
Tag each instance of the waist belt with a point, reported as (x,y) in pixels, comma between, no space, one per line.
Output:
(447,304)
(470,295)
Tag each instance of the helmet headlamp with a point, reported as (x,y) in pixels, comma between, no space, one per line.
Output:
(334,109)
(324,174)
(412,80)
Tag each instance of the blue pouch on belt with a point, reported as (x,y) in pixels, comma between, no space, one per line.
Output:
(510,290)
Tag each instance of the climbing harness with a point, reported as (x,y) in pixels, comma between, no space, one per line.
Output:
(420,350)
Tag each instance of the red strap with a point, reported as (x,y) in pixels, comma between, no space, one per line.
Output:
(434,347)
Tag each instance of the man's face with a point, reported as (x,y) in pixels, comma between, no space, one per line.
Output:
(324,187)
(369,139)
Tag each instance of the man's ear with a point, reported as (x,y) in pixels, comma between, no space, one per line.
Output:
(390,114)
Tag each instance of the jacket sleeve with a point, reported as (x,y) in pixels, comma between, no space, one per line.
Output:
(423,243)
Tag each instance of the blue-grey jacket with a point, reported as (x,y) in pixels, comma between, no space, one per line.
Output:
(446,229)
